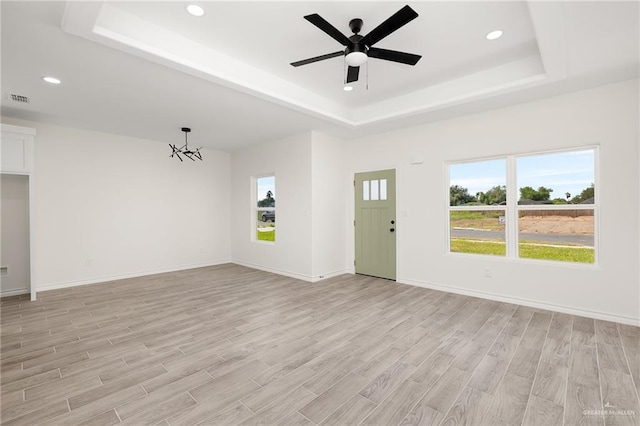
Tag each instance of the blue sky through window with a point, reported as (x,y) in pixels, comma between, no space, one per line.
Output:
(265,184)
(479,176)
(563,172)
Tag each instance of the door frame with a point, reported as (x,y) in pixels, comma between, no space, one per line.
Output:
(28,138)
(351,230)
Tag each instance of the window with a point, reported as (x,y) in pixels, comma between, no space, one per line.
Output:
(266,208)
(477,198)
(374,190)
(535,206)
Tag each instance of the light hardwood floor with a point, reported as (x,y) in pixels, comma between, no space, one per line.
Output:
(230,345)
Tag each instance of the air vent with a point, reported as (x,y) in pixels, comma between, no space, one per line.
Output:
(19,98)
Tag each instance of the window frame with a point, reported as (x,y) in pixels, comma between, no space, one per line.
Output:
(512,208)
(255,209)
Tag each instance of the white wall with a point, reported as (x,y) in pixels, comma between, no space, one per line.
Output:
(310,205)
(14,251)
(111,206)
(329,208)
(290,160)
(606,116)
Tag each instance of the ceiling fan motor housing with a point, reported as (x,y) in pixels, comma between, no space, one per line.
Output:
(355,25)
(355,45)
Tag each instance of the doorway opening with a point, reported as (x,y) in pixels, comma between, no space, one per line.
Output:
(15,258)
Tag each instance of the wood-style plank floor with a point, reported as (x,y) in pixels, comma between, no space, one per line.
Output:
(229,345)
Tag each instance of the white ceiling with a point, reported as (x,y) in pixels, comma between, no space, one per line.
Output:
(146,69)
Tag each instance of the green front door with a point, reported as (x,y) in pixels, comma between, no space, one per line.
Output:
(375,223)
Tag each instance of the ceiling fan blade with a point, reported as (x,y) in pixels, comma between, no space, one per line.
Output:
(317,58)
(325,26)
(397,20)
(393,55)
(352,74)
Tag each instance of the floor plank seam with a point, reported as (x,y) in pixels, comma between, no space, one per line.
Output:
(251,379)
(117,414)
(208,374)
(595,339)
(245,406)
(633,380)
(143,388)
(312,422)
(566,387)
(535,375)
(471,372)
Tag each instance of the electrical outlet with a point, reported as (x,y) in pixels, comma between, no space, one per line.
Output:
(487,273)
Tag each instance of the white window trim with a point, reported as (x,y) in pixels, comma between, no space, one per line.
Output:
(512,208)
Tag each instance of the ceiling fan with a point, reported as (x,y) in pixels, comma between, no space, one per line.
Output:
(358,47)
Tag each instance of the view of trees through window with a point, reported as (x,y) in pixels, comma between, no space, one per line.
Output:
(553,211)
(460,196)
(266,208)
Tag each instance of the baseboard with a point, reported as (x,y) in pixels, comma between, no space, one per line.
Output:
(17,292)
(483,295)
(289,274)
(98,280)
(527,302)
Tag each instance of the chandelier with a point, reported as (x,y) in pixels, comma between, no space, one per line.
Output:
(184,150)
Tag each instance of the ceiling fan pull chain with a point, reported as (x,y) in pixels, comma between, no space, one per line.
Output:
(367,66)
(344,72)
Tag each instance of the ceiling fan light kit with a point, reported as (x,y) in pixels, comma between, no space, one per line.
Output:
(355,59)
(358,49)
(185,150)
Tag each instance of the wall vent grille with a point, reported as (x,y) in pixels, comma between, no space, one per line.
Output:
(19,98)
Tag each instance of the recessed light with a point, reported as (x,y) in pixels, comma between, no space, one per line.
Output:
(347,88)
(51,80)
(494,35)
(195,10)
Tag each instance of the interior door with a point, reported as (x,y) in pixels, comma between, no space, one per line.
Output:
(375,223)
